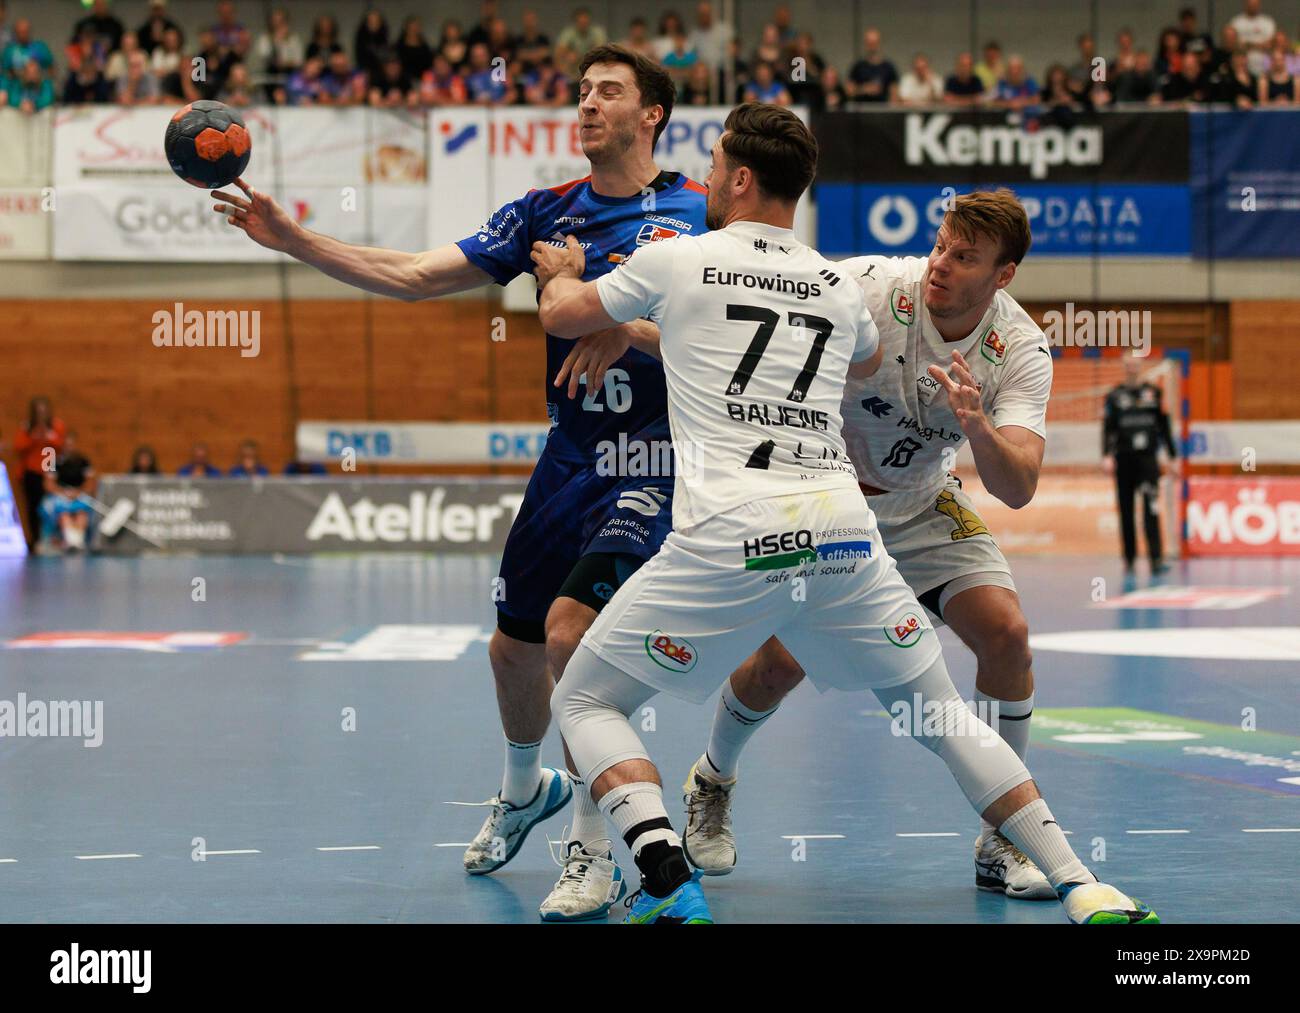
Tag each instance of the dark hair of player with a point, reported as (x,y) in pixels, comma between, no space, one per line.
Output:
(652,81)
(775,144)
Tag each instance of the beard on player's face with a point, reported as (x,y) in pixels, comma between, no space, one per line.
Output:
(719,202)
(614,140)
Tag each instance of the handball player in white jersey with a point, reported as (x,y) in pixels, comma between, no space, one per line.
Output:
(758,335)
(962,363)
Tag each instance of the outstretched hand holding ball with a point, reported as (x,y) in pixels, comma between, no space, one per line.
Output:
(266,223)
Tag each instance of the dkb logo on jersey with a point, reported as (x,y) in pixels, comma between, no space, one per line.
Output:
(993,347)
(676,655)
(966,521)
(904,309)
(907,632)
(901,453)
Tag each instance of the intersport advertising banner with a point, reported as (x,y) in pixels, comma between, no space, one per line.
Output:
(481,158)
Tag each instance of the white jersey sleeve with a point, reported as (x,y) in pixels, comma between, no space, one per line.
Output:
(868,336)
(1021,397)
(636,290)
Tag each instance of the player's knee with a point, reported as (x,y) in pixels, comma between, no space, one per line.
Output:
(562,638)
(1004,647)
(510,657)
(565,707)
(776,672)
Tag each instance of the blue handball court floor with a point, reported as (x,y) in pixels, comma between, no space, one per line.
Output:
(277,739)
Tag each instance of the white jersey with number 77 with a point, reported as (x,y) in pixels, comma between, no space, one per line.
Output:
(757,331)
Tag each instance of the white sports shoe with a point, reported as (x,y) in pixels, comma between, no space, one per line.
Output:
(1001,867)
(709,842)
(1102,904)
(503,832)
(589,886)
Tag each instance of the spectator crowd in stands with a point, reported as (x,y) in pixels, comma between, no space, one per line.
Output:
(59,483)
(1251,63)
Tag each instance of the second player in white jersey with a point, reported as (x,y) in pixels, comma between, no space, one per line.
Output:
(757,339)
(901,432)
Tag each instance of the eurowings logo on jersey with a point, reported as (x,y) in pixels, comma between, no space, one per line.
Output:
(676,654)
(907,632)
(651,233)
(993,347)
(903,307)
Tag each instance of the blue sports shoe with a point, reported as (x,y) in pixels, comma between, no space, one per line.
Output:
(684,906)
(503,832)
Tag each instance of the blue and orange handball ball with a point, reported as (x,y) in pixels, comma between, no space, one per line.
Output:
(207,144)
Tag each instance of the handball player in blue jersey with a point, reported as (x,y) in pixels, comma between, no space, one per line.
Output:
(584,527)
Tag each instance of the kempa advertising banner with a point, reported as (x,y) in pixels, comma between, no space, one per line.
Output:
(1000,147)
(422,442)
(305,515)
(479,159)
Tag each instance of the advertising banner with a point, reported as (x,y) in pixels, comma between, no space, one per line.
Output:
(357,174)
(24,224)
(479,159)
(1240,516)
(1246,183)
(422,442)
(1066,219)
(304,515)
(992,146)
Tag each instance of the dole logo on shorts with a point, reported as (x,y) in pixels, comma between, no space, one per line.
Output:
(993,347)
(652,233)
(907,632)
(904,309)
(673,653)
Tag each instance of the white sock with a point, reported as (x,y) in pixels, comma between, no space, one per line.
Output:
(733,724)
(588,824)
(1035,832)
(638,814)
(523,772)
(1012,725)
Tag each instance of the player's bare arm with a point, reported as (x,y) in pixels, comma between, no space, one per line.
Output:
(596,353)
(1008,459)
(394,273)
(867,367)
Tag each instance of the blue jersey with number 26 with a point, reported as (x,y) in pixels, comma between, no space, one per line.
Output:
(632,399)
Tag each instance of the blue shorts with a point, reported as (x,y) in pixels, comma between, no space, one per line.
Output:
(571,510)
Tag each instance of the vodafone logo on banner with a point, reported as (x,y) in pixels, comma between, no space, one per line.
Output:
(1243,517)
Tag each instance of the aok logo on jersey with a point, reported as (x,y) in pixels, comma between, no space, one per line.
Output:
(903,307)
(907,632)
(676,654)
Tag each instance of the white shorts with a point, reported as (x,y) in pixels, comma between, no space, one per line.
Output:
(809,568)
(947,547)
